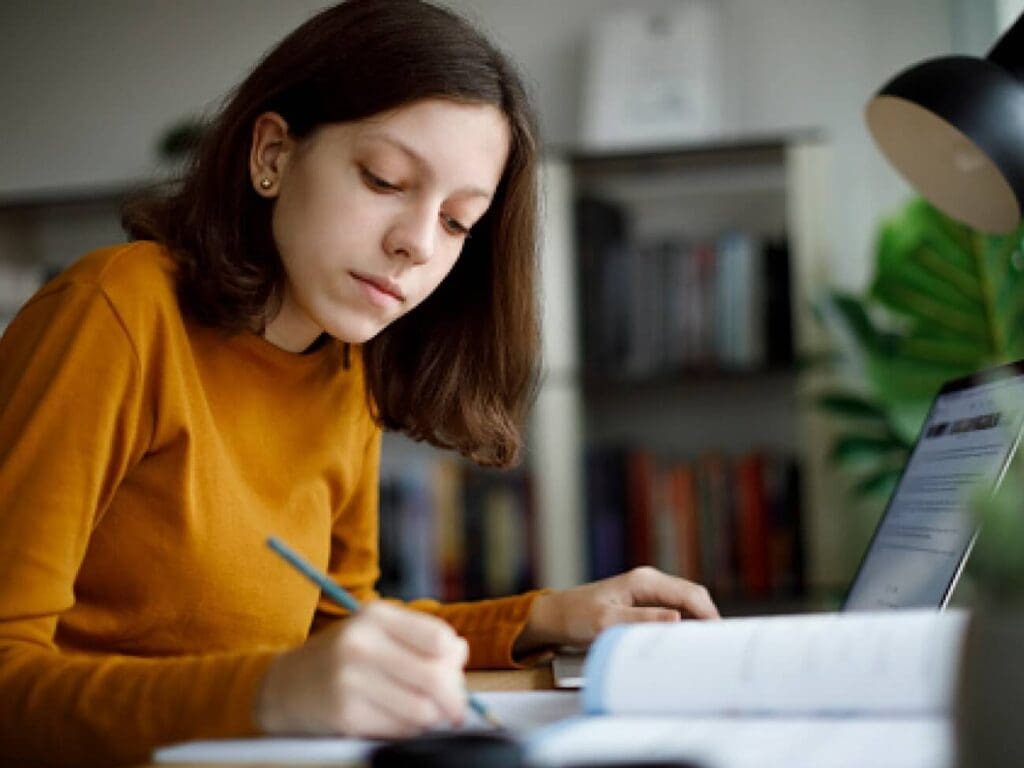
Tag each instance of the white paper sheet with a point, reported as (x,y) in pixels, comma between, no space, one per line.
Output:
(748,742)
(892,663)
(519,711)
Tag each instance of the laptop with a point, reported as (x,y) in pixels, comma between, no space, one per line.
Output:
(923,539)
(925,535)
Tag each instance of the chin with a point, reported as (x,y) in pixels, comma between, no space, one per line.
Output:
(354,333)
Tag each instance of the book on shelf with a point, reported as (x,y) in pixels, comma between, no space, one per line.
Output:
(730,523)
(838,689)
(662,305)
(452,531)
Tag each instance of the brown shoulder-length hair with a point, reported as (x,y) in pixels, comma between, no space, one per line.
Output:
(458,371)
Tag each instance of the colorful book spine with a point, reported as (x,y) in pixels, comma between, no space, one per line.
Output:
(731,523)
(452,531)
(652,306)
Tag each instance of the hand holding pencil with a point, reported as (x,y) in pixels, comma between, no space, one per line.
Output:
(386,672)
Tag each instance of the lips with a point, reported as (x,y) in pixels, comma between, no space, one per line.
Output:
(382,284)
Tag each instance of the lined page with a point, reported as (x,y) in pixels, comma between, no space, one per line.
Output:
(895,662)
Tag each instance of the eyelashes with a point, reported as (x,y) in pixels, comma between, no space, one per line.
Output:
(456,228)
(452,225)
(375,182)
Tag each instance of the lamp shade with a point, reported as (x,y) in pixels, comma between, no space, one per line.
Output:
(954,128)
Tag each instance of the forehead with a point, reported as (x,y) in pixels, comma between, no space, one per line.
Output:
(461,144)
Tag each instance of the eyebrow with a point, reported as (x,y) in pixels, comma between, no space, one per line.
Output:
(420,160)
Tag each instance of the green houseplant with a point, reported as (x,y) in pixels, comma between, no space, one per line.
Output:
(944,301)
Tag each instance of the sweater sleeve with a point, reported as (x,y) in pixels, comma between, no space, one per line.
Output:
(73,419)
(490,626)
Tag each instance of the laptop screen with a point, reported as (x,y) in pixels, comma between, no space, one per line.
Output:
(928,529)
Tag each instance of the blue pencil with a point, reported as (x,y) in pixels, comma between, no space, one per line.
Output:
(342,597)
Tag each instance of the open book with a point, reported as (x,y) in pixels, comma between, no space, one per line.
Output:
(821,691)
(817,690)
(889,663)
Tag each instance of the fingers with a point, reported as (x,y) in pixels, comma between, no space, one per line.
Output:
(423,687)
(649,586)
(426,634)
(637,615)
(368,719)
(385,672)
(402,709)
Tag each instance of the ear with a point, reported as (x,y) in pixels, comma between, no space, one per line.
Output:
(269,153)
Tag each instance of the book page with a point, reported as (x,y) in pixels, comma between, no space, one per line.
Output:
(896,662)
(724,742)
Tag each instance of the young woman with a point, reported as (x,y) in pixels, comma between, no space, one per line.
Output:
(353,248)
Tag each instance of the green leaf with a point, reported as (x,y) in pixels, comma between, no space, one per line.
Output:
(850,406)
(877,485)
(850,317)
(918,295)
(905,420)
(856,450)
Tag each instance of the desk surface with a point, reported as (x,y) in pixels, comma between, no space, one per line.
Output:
(536,679)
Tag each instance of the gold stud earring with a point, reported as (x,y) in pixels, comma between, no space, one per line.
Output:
(266,183)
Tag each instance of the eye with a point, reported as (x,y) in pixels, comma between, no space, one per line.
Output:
(454,227)
(376,183)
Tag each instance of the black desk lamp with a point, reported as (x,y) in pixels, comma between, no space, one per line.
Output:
(954,128)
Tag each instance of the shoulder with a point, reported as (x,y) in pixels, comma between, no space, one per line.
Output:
(125,272)
(136,279)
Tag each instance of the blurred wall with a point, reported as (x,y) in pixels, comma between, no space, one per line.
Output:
(87,86)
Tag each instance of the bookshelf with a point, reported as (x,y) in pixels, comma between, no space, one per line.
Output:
(677,287)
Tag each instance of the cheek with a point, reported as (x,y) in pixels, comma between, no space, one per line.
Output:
(436,274)
(318,208)
(311,235)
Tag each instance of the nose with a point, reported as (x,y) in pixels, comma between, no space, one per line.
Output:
(412,235)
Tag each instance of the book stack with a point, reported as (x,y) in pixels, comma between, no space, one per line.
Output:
(669,305)
(730,523)
(453,531)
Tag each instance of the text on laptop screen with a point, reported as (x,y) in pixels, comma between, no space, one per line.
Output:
(919,545)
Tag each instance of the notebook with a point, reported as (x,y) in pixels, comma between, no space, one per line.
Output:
(924,537)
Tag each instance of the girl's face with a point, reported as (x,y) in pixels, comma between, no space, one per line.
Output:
(371,215)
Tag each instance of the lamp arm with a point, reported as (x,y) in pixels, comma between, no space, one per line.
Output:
(1008,52)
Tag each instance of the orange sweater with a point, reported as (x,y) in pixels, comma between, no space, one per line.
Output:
(144,459)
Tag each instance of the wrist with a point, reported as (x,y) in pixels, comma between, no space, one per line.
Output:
(542,627)
(266,705)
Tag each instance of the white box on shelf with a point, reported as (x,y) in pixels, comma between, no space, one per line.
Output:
(652,77)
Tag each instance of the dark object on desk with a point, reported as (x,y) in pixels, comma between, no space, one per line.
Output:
(450,750)
(990,698)
(953,127)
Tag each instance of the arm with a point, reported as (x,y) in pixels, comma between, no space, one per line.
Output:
(74,418)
